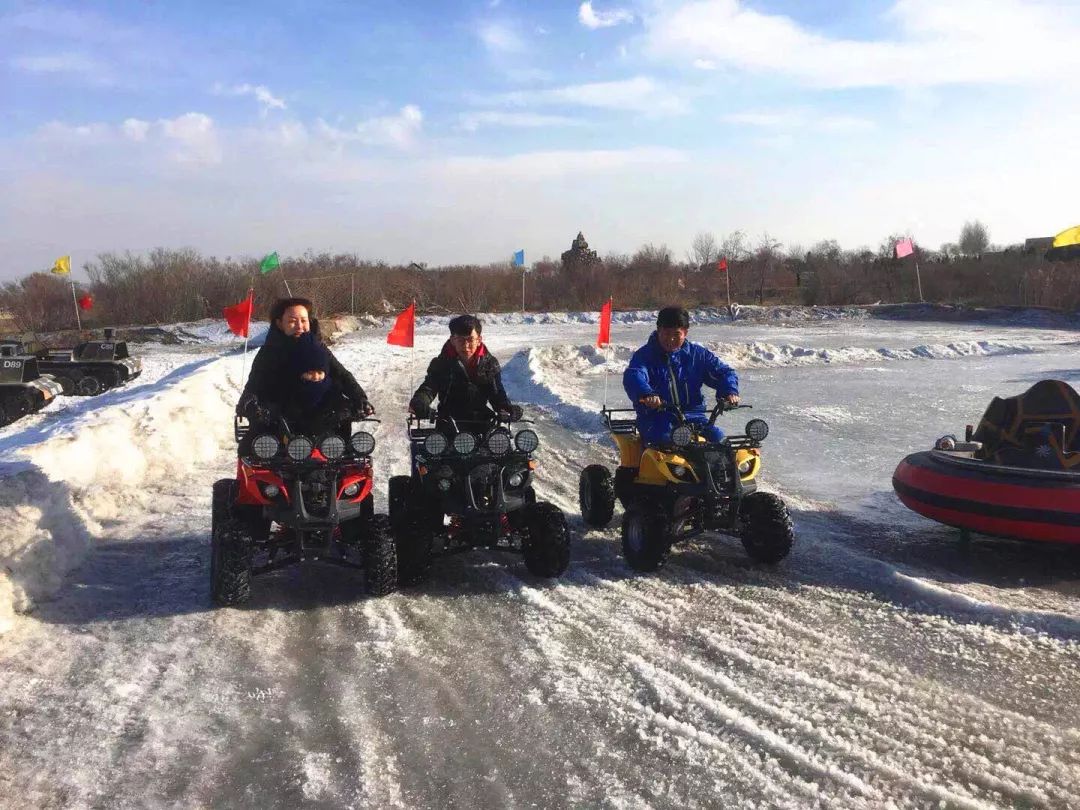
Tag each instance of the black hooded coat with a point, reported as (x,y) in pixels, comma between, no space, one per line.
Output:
(275,384)
(469,393)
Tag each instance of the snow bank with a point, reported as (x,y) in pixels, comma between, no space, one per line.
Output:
(103,466)
(554,361)
(765,354)
(210,331)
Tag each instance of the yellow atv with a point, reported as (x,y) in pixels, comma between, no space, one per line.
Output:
(682,489)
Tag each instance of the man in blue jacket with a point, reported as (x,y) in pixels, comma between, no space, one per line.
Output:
(670,370)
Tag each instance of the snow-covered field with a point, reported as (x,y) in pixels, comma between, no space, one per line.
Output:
(883,664)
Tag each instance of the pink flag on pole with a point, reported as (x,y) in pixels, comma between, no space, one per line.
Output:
(904,248)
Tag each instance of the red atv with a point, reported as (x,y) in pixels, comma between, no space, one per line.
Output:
(298,498)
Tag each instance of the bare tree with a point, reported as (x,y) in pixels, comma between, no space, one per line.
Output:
(734,246)
(974,238)
(703,251)
(766,256)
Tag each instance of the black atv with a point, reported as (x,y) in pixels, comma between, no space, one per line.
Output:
(297,498)
(687,487)
(92,366)
(23,388)
(473,490)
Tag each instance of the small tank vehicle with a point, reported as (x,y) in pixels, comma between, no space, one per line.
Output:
(23,388)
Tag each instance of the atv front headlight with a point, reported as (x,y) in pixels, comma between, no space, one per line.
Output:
(516,479)
(682,435)
(498,443)
(526,441)
(757,429)
(363,443)
(332,447)
(745,466)
(464,443)
(265,446)
(435,444)
(351,490)
(300,448)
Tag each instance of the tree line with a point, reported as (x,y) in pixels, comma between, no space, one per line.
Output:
(169,286)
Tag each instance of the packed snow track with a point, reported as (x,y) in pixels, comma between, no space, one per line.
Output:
(883,664)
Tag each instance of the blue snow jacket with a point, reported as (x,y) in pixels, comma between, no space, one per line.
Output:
(676,378)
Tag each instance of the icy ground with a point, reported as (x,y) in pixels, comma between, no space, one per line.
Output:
(881,665)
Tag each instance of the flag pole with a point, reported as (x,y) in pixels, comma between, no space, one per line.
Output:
(918,277)
(78,317)
(247,334)
(727,287)
(522,289)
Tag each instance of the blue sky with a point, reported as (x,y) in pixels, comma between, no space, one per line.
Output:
(442,132)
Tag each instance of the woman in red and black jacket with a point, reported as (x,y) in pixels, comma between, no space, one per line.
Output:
(466,379)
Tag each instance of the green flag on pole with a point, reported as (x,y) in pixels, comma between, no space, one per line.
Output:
(270,262)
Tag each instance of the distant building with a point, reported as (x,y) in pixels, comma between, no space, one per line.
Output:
(579,255)
(1038,244)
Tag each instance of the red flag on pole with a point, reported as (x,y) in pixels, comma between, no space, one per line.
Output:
(86,302)
(238,316)
(402,332)
(721,266)
(604,337)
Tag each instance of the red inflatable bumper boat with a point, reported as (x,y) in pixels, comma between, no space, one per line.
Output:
(1016,476)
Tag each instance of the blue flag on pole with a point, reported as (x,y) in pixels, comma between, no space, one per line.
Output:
(519,258)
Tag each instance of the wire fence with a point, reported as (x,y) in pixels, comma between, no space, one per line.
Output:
(329,295)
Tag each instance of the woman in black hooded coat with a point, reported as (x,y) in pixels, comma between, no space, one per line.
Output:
(295,376)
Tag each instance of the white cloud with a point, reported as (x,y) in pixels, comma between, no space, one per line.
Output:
(929,42)
(267,100)
(399,131)
(195,137)
(135,129)
(77,65)
(564,163)
(704,64)
(500,38)
(473,121)
(639,94)
(800,119)
(593,19)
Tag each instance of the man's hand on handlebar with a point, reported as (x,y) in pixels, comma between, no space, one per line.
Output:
(652,401)
(731,400)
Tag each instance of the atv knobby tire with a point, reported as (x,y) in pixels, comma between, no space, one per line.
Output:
(230,549)
(765,527)
(380,558)
(414,540)
(4,414)
(596,492)
(646,540)
(546,545)
(400,486)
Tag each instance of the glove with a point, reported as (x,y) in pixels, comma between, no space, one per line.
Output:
(363,408)
(246,404)
(421,407)
(512,413)
(250,407)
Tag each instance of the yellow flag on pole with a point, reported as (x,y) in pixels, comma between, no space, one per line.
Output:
(1071,236)
(62,267)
